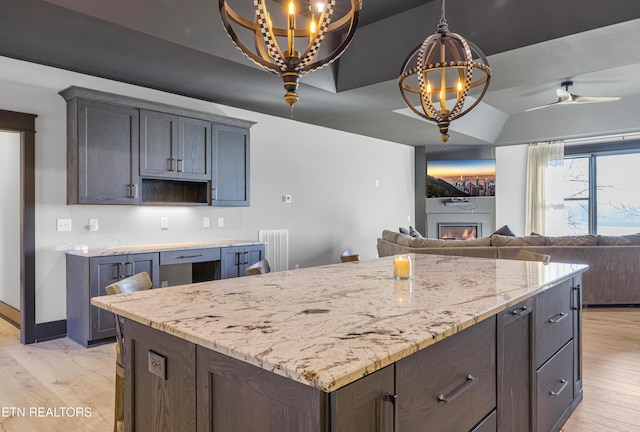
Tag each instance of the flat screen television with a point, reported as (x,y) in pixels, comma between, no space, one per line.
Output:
(461,178)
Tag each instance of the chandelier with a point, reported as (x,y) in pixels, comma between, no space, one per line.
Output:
(439,75)
(300,37)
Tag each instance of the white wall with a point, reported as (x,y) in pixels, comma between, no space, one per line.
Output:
(331,176)
(10,219)
(511,173)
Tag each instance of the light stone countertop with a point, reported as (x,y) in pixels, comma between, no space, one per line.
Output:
(123,250)
(328,326)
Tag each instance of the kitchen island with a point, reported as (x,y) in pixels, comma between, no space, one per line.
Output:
(465,344)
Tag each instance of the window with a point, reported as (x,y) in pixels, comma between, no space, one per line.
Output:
(601,193)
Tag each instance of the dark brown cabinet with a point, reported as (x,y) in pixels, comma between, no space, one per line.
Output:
(86,278)
(456,375)
(367,405)
(516,370)
(160,381)
(230,181)
(102,153)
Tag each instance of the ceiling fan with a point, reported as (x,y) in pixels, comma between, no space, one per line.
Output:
(566,98)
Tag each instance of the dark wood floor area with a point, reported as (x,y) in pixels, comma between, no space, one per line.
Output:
(58,375)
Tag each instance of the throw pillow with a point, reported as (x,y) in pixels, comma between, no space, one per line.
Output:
(505,231)
(414,233)
(403,231)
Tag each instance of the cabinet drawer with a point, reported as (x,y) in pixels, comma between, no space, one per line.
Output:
(555,388)
(456,375)
(554,321)
(189,256)
(488,424)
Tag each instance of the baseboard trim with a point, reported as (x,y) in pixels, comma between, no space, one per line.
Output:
(51,330)
(10,314)
(613,305)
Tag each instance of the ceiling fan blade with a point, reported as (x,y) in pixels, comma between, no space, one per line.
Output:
(593,99)
(544,106)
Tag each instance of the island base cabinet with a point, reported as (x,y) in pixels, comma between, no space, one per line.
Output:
(367,405)
(450,386)
(234,396)
(160,378)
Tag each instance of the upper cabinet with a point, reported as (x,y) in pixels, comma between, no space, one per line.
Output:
(102,153)
(230,181)
(174,147)
(123,150)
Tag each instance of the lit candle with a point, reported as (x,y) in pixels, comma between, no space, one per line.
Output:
(291,12)
(402,266)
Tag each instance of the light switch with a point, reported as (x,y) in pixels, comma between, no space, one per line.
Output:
(206,222)
(220,222)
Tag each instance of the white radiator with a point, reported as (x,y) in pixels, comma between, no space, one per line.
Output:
(276,248)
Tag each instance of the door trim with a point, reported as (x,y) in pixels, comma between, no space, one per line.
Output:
(25,125)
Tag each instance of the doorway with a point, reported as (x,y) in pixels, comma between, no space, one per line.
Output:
(23,125)
(10,227)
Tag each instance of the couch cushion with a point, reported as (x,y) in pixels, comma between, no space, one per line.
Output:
(393,236)
(582,240)
(604,240)
(435,243)
(500,240)
(633,238)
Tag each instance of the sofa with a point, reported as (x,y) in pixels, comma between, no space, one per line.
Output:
(613,278)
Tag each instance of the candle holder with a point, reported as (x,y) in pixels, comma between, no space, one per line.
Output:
(401,267)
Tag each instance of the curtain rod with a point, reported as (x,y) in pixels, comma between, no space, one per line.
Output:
(603,139)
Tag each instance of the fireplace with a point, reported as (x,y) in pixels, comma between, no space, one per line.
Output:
(458,231)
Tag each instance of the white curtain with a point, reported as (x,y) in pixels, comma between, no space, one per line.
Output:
(545,194)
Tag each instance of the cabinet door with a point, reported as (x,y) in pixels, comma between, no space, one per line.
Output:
(194,154)
(107,157)
(104,271)
(230,181)
(158,144)
(230,259)
(147,262)
(252,254)
(515,367)
(367,405)
(234,396)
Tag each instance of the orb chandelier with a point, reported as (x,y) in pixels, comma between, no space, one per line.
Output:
(439,75)
(300,37)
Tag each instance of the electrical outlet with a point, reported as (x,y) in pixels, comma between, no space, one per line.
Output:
(206,222)
(164,223)
(164,284)
(220,222)
(63,224)
(93,224)
(286,199)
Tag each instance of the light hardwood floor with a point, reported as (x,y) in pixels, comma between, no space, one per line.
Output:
(60,373)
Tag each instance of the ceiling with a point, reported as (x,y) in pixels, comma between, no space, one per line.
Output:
(180,46)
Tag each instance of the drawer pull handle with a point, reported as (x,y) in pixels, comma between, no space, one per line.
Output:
(562,316)
(385,424)
(563,384)
(471,380)
(524,310)
(189,256)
